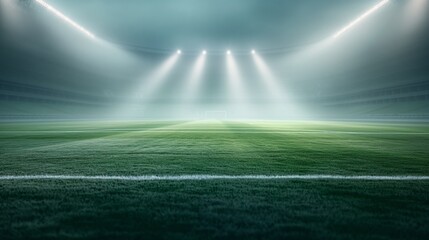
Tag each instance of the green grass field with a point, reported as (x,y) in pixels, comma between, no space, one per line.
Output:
(213,209)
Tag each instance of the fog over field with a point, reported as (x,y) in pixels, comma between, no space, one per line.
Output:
(127,67)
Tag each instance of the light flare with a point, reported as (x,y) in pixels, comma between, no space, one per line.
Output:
(359,19)
(65,18)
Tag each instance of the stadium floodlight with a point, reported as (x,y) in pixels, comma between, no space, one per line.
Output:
(155,79)
(195,77)
(270,81)
(235,79)
(179,51)
(149,86)
(197,69)
(283,99)
(65,18)
(152,82)
(363,16)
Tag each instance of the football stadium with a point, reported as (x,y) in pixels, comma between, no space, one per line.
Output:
(192,119)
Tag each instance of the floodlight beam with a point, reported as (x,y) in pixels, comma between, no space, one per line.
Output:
(195,77)
(270,80)
(65,18)
(149,86)
(360,18)
(235,79)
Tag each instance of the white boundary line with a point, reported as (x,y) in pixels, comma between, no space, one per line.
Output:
(215,177)
(221,131)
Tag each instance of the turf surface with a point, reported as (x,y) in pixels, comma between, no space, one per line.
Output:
(42,209)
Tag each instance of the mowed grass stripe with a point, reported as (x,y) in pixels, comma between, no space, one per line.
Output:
(229,152)
(216,177)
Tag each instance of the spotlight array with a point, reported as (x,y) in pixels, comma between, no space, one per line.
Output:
(228,52)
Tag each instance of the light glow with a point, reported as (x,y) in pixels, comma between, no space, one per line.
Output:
(149,85)
(235,79)
(65,18)
(204,52)
(284,101)
(228,52)
(268,78)
(253,51)
(359,19)
(415,13)
(194,78)
(179,51)
(155,80)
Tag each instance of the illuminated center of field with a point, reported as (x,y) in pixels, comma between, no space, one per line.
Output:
(217,177)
